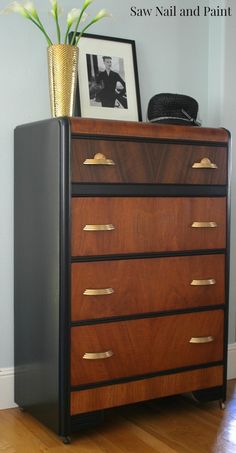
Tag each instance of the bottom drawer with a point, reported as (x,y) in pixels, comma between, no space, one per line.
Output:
(132,392)
(113,350)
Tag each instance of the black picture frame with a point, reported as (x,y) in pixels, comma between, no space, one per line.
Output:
(95,94)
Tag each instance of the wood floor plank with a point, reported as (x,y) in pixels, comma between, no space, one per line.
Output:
(133,437)
(169,425)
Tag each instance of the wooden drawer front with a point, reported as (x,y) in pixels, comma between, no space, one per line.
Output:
(124,287)
(142,224)
(137,347)
(131,392)
(151,163)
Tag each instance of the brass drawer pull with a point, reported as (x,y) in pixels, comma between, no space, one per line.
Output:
(99,159)
(201,340)
(108,227)
(98,292)
(209,281)
(98,355)
(205,163)
(204,225)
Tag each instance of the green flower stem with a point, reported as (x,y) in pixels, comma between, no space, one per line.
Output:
(41,28)
(58,28)
(84,29)
(67,33)
(74,41)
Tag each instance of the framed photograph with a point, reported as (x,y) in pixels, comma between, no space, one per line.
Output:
(108,79)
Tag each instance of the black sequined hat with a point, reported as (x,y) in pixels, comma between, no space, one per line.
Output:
(173,109)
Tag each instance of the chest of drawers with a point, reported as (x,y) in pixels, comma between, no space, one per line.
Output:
(121,266)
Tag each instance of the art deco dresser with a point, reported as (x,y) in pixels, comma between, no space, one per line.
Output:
(121,266)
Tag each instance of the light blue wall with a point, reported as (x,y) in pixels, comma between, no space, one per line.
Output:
(173,56)
(228,119)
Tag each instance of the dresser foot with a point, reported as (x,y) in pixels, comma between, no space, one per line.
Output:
(66,440)
(222,405)
(211,394)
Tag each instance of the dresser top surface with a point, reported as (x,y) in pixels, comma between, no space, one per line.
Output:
(146,130)
(130,129)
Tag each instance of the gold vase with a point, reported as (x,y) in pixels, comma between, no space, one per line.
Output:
(62,71)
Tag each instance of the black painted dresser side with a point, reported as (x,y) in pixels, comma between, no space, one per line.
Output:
(41,269)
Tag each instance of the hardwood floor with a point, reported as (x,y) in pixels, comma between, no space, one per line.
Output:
(170,425)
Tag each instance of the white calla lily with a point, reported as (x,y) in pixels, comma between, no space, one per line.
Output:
(86,4)
(75,16)
(55,13)
(54,4)
(102,13)
(30,8)
(56,9)
(15,7)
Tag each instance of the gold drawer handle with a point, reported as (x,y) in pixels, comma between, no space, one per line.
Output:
(98,355)
(209,281)
(204,225)
(205,163)
(99,159)
(108,227)
(98,292)
(201,340)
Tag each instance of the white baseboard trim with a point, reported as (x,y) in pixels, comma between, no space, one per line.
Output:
(7,388)
(7,379)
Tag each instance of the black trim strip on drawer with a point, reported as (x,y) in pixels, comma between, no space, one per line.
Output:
(145,376)
(171,141)
(82,259)
(147,190)
(156,314)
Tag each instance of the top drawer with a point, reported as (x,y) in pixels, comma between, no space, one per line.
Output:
(114,161)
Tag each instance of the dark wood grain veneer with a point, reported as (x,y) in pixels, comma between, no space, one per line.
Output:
(145,346)
(146,285)
(92,127)
(146,224)
(145,389)
(147,162)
